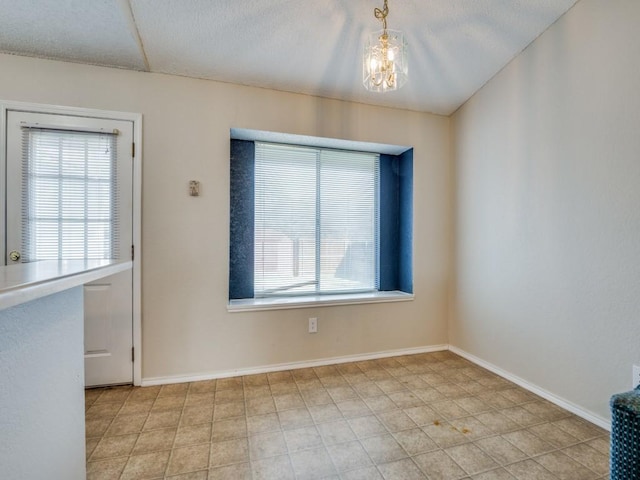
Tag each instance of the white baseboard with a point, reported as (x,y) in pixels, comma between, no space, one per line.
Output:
(541,392)
(146,382)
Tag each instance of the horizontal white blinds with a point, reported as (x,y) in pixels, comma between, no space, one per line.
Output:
(69,195)
(315,220)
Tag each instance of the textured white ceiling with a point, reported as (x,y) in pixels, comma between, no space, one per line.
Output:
(305,46)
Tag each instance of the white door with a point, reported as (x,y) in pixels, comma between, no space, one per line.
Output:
(69,196)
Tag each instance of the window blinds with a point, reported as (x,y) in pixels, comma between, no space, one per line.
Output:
(69,195)
(316,220)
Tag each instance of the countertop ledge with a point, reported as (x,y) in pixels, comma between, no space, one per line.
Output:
(23,282)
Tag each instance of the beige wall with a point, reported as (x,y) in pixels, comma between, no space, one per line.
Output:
(547,160)
(186,327)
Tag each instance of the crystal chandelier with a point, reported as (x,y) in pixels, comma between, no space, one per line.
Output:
(385,65)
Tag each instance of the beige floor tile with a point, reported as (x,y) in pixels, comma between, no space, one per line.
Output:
(340,393)
(193,434)
(316,396)
(155,441)
(226,396)
(124,424)
(349,456)
(449,409)
(403,469)
(529,443)
(472,405)
(174,389)
(199,399)
(109,469)
(368,473)
(118,395)
(564,467)
(132,407)
(109,447)
(396,420)
(499,474)
(353,408)
(103,410)
(471,459)
(368,426)
(229,452)
(204,386)
(415,441)
(380,403)
(554,435)
(325,413)
(200,475)
(189,459)
(96,427)
(497,422)
(339,417)
(144,393)
(521,416)
(164,419)
(148,465)
(383,448)
(228,429)
(274,468)
(312,464)
(501,450)
(267,422)
(439,466)
(580,429)
(228,410)
(299,417)
(405,399)
(240,471)
(472,428)
(232,383)
(423,415)
(260,406)
(288,401)
(172,402)
(266,445)
(336,432)
(445,434)
(529,470)
(90,445)
(283,388)
(196,415)
(302,438)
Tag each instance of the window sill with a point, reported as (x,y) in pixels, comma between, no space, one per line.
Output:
(282,303)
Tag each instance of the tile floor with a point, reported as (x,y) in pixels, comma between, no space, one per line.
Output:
(431,416)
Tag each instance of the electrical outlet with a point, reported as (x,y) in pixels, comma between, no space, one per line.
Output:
(636,376)
(313,325)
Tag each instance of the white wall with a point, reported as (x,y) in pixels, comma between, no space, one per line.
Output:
(186,327)
(548,210)
(42,389)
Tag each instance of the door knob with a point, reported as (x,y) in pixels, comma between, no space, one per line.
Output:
(14,255)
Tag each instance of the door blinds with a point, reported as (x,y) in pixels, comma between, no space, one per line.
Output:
(69,195)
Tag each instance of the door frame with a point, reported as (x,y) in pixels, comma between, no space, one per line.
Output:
(136,118)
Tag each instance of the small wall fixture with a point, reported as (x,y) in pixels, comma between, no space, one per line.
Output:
(385,65)
(194,188)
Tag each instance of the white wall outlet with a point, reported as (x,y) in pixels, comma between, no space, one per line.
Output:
(313,325)
(636,376)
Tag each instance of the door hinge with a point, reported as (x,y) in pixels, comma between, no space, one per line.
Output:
(132,252)
(133,150)
(133,352)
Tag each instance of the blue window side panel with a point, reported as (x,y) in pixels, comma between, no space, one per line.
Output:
(405,263)
(389,223)
(241,229)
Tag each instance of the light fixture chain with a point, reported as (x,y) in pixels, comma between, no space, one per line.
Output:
(382,14)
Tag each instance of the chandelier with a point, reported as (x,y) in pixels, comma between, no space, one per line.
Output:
(384,64)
